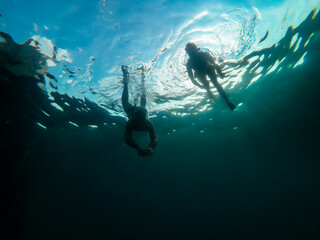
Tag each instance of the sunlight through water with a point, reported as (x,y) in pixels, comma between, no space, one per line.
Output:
(86,62)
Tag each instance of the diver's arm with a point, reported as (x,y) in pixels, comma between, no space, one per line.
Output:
(191,76)
(152,135)
(153,141)
(218,68)
(212,60)
(128,136)
(196,83)
(190,72)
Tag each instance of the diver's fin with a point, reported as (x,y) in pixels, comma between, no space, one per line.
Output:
(231,106)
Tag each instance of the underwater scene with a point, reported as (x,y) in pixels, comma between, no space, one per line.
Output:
(168,119)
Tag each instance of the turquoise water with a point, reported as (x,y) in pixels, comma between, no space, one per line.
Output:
(143,33)
(252,173)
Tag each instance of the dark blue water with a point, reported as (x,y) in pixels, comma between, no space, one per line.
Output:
(248,174)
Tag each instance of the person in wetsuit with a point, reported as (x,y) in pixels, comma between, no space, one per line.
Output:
(201,64)
(137,119)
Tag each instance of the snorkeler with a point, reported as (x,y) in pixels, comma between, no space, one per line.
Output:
(137,118)
(203,64)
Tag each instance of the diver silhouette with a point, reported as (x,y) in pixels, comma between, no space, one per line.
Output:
(137,118)
(203,64)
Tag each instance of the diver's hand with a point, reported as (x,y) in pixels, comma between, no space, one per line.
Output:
(148,152)
(145,152)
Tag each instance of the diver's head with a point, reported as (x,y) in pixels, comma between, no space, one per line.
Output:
(191,48)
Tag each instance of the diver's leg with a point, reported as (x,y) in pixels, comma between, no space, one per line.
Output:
(125,74)
(210,93)
(206,86)
(125,98)
(220,89)
(143,100)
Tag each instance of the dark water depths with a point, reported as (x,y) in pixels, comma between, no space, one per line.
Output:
(248,174)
